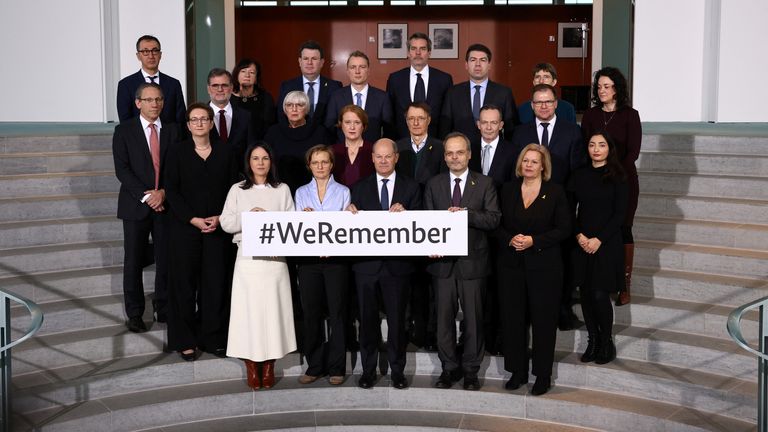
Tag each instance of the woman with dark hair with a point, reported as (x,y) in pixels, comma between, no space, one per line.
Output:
(535,220)
(249,94)
(198,177)
(353,156)
(598,192)
(324,281)
(261,318)
(613,114)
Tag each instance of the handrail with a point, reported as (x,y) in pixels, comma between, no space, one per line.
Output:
(34,326)
(734,325)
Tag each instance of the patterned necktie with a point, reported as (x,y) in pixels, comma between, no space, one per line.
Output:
(154,150)
(456,198)
(420,92)
(384,195)
(486,159)
(545,135)
(359,99)
(223,126)
(476,103)
(311,95)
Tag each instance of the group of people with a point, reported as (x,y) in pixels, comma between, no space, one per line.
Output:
(549,206)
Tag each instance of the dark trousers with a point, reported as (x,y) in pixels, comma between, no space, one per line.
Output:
(529,297)
(469,293)
(422,308)
(199,290)
(394,292)
(135,244)
(324,287)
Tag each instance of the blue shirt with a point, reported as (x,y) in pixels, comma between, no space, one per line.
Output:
(337,197)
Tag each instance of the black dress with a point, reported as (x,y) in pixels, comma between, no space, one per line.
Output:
(200,275)
(290,146)
(262,109)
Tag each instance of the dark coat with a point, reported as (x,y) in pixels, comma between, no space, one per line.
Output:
(327,87)
(456,115)
(377,107)
(565,146)
(174,109)
(399,91)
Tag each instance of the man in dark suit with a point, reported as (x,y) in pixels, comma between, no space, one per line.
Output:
(497,156)
(316,86)
(139,147)
(385,278)
(545,73)
(461,107)
(149,54)
(461,280)
(373,101)
(417,83)
(233,124)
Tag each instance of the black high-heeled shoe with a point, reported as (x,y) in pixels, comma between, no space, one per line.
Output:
(541,386)
(188,356)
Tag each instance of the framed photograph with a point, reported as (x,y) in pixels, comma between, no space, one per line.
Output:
(445,40)
(393,41)
(571,40)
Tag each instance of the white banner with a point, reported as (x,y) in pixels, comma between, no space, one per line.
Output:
(342,233)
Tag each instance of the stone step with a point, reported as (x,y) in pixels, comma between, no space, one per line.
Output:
(56,162)
(704,163)
(58,206)
(703,259)
(45,232)
(728,291)
(73,315)
(703,208)
(55,143)
(35,259)
(704,185)
(740,145)
(690,231)
(28,185)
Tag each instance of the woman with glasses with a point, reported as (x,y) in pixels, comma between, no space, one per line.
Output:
(250,95)
(324,281)
(612,113)
(353,156)
(198,177)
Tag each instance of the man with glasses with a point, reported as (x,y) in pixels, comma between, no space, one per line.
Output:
(233,124)
(149,54)
(545,73)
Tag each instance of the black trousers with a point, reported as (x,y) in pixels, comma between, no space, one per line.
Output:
(136,235)
(324,287)
(394,292)
(469,293)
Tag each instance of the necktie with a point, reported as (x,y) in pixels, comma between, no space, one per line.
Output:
(456,198)
(154,150)
(418,160)
(384,195)
(545,135)
(486,159)
(476,103)
(223,126)
(311,95)
(152,79)
(359,99)
(420,92)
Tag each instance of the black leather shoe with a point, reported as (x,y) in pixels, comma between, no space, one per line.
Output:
(136,325)
(446,380)
(593,347)
(541,386)
(366,381)
(471,383)
(189,356)
(399,382)
(518,380)
(220,352)
(606,353)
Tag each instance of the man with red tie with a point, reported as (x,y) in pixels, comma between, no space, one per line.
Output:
(233,124)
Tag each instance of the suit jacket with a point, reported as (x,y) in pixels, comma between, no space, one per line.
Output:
(239,135)
(133,166)
(457,109)
(503,163)
(565,146)
(399,91)
(377,107)
(174,109)
(327,87)
(479,198)
(365,196)
(431,163)
(564,110)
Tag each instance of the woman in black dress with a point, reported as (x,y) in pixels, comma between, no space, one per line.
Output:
(198,177)
(535,220)
(599,193)
(249,94)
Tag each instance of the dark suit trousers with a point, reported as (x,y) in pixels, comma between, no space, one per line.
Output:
(135,244)
(394,292)
(469,293)
(324,287)
(200,286)
(521,303)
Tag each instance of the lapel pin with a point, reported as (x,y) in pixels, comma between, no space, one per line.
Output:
(544,196)
(472,182)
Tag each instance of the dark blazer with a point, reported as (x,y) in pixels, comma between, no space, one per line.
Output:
(133,166)
(377,107)
(503,163)
(564,110)
(457,109)
(174,109)
(399,91)
(365,196)
(431,163)
(327,87)
(565,146)
(479,198)
(239,135)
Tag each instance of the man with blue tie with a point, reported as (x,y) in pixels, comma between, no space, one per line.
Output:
(149,54)
(373,101)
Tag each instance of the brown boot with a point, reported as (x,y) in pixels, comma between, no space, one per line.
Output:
(268,374)
(252,374)
(629,256)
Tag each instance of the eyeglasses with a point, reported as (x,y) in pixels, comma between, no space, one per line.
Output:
(147,52)
(419,119)
(220,86)
(320,163)
(199,120)
(544,103)
(292,105)
(150,100)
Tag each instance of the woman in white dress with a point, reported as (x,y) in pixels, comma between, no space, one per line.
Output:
(261,319)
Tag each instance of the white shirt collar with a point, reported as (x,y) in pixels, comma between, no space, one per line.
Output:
(391,177)
(493,143)
(145,123)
